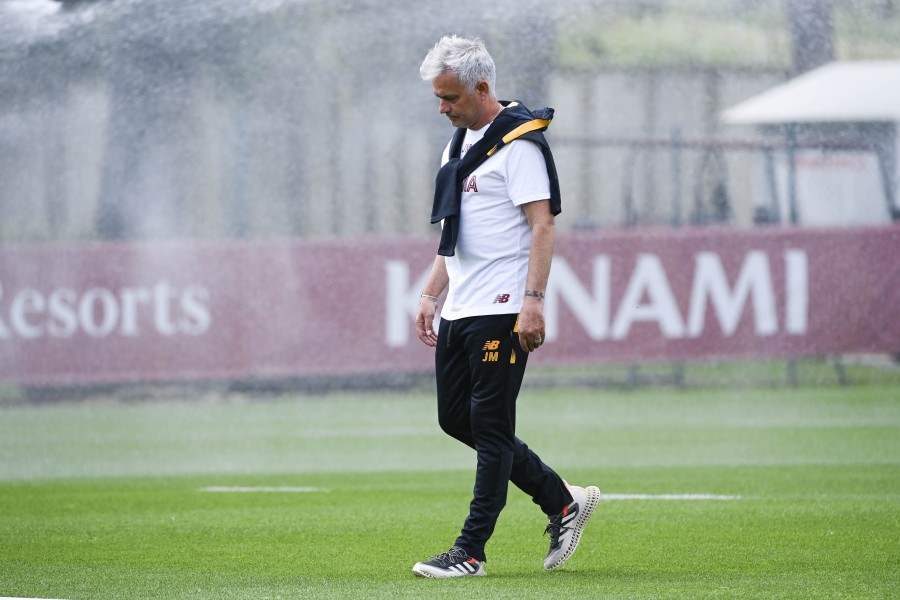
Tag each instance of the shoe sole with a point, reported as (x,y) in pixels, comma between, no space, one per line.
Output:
(593,498)
(421,570)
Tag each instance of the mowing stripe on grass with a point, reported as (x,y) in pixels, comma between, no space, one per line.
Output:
(607,497)
(667,497)
(246,489)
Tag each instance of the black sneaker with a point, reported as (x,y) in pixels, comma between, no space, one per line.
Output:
(566,527)
(452,563)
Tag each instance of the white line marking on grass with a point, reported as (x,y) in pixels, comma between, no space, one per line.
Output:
(265,489)
(666,497)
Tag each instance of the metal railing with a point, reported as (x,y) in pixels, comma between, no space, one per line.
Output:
(711,198)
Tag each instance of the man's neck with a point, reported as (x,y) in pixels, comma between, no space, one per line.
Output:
(492,109)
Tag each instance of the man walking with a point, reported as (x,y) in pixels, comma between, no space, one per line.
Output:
(496,196)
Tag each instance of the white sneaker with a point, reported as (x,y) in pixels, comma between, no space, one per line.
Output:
(566,527)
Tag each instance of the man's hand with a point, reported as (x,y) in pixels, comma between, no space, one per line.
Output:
(531,324)
(425,321)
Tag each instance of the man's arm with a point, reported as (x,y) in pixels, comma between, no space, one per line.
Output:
(434,286)
(543,233)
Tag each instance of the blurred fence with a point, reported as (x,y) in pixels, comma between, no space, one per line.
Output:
(178,160)
(698,186)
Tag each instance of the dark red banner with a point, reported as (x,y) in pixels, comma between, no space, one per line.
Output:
(116,312)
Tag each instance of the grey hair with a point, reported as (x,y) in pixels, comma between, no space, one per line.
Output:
(468,59)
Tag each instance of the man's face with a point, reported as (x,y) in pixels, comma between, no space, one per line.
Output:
(464,109)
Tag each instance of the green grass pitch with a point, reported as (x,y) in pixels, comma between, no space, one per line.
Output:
(108,500)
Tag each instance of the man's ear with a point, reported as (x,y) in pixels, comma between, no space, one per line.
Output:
(483,88)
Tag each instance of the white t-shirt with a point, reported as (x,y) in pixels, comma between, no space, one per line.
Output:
(487,273)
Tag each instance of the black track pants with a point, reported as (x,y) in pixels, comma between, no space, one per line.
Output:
(480,367)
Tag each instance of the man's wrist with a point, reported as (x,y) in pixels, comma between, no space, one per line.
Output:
(534,294)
